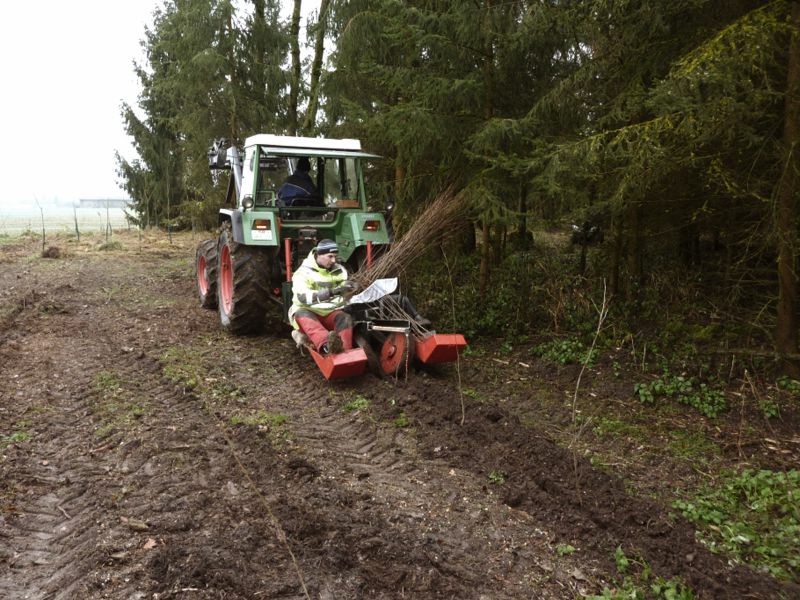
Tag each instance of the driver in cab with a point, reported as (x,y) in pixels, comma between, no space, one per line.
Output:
(299,188)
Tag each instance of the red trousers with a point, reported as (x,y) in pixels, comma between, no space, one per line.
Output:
(317,328)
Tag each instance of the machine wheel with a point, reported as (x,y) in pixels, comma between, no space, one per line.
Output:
(206,271)
(397,354)
(242,284)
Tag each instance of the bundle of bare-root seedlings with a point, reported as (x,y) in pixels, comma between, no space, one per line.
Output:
(440,220)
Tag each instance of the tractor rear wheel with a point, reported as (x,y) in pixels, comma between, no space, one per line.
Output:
(397,354)
(242,284)
(358,260)
(206,272)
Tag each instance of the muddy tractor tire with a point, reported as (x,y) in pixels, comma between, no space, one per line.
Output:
(358,260)
(206,273)
(242,284)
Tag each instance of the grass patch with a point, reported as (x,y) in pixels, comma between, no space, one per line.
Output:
(691,445)
(472,393)
(565,352)
(401,421)
(114,407)
(186,367)
(496,477)
(639,583)
(753,516)
(276,424)
(110,245)
(16,437)
(356,404)
(565,549)
(615,428)
(261,419)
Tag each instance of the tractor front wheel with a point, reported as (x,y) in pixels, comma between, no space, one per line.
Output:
(206,273)
(242,284)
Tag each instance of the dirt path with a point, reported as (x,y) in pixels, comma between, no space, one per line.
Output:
(166,459)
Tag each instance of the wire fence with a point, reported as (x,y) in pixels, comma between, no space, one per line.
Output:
(18,220)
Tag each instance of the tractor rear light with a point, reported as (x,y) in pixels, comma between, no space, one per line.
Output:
(372,225)
(262,230)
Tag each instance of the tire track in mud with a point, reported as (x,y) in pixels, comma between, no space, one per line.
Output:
(48,528)
(204,530)
(429,533)
(135,512)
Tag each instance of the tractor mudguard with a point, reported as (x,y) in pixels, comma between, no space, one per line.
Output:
(235,218)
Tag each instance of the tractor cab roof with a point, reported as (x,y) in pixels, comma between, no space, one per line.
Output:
(285,145)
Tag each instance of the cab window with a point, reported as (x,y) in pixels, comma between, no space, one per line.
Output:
(341,183)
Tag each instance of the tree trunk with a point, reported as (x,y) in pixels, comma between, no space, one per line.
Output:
(469,241)
(259,72)
(234,111)
(522,220)
(786,214)
(316,68)
(617,258)
(498,244)
(294,90)
(488,113)
(632,225)
(486,252)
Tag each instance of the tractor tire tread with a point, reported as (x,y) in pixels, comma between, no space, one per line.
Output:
(207,249)
(251,268)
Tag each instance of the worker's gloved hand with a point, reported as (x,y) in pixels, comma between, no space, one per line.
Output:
(348,287)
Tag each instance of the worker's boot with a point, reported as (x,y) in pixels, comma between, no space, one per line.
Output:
(422,321)
(334,344)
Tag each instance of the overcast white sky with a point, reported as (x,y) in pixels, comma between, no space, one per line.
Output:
(67,66)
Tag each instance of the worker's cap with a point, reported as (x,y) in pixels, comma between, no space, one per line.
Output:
(326,247)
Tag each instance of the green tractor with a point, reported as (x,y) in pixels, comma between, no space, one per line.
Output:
(263,239)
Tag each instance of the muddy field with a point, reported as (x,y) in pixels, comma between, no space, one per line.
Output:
(150,455)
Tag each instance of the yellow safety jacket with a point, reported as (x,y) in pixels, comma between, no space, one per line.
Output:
(308,280)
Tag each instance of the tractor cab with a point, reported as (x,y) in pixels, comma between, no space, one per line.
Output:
(336,209)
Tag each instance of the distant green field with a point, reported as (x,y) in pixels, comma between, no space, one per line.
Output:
(15,220)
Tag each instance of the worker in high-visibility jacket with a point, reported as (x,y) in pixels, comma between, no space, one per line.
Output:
(319,285)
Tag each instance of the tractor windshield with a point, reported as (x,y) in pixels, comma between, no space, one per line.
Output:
(336,179)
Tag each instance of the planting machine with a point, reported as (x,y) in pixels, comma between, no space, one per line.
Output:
(250,264)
